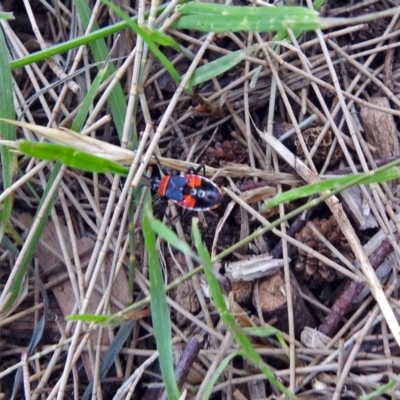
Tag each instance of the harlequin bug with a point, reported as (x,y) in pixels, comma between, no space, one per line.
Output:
(190,191)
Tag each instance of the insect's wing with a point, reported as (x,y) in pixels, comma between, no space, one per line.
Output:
(175,187)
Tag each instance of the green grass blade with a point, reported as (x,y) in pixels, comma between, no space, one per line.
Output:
(208,17)
(118,106)
(98,319)
(266,331)
(6,15)
(159,309)
(145,36)
(217,67)
(26,260)
(334,183)
(382,390)
(297,211)
(261,331)
(219,10)
(170,236)
(228,319)
(99,49)
(113,351)
(74,43)
(217,374)
(64,47)
(7,132)
(161,38)
(283,35)
(70,157)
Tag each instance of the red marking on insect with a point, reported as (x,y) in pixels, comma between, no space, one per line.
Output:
(191,191)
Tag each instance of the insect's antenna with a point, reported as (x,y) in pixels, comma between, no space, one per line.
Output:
(163,170)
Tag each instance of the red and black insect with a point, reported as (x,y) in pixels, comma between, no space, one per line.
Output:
(190,191)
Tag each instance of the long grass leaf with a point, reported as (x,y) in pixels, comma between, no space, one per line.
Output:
(99,49)
(7,132)
(221,367)
(6,15)
(161,38)
(170,236)
(228,319)
(69,138)
(217,67)
(208,17)
(70,157)
(64,47)
(283,34)
(111,354)
(381,390)
(43,211)
(334,183)
(159,309)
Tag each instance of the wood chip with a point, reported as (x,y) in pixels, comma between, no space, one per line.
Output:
(380,128)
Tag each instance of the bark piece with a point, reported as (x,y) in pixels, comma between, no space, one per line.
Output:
(258,194)
(252,268)
(271,299)
(380,128)
(314,339)
(243,273)
(358,208)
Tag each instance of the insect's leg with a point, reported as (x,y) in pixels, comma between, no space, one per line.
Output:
(171,220)
(168,218)
(195,171)
(174,219)
(201,167)
(160,211)
(190,170)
